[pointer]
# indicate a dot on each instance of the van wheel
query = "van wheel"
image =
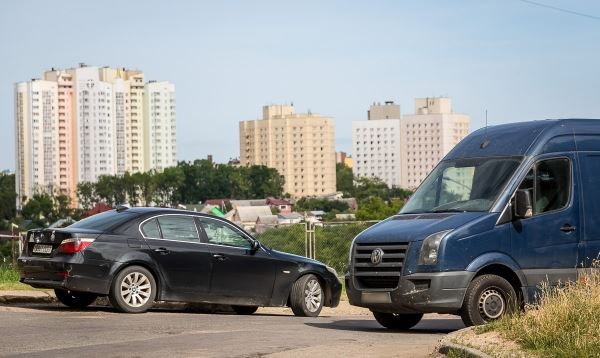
(133, 290)
(75, 299)
(307, 296)
(244, 310)
(401, 321)
(488, 298)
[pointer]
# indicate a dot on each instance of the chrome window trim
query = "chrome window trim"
(169, 214)
(193, 242)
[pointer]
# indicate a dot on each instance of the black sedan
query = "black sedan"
(136, 256)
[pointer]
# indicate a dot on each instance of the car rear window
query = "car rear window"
(103, 221)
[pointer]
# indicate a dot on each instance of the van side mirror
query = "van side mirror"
(522, 208)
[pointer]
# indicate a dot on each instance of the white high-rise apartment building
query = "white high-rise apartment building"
(301, 146)
(160, 150)
(376, 144)
(428, 135)
(36, 133)
(403, 151)
(80, 123)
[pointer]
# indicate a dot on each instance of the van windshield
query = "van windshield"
(470, 184)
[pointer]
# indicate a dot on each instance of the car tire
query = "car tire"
(400, 321)
(133, 290)
(307, 296)
(75, 299)
(244, 310)
(488, 298)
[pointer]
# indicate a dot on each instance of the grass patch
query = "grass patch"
(457, 353)
(9, 279)
(564, 324)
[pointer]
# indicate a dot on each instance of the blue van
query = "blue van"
(509, 207)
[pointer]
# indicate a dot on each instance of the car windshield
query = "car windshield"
(470, 184)
(102, 221)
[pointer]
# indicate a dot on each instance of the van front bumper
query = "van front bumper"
(439, 292)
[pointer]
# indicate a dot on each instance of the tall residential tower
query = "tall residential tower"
(80, 123)
(299, 145)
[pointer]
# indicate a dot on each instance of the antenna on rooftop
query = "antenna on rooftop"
(486, 141)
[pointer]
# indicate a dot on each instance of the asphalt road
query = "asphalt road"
(52, 330)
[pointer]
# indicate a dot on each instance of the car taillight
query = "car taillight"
(71, 246)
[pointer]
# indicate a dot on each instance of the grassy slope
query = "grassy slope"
(566, 323)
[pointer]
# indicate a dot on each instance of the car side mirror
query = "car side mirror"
(255, 246)
(522, 208)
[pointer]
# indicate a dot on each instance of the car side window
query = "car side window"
(220, 233)
(549, 184)
(178, 227)
(150, 229)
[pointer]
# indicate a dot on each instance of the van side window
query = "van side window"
(549, 183)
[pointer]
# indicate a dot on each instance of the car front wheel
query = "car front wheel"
(488, 298)
(307, 296)
(75, 299)
(401, 321)
(133, 290)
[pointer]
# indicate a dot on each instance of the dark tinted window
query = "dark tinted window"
(150, 229)
(220, 233)
(552, 184)
(103, 221)
(178, 227)
(549, 184)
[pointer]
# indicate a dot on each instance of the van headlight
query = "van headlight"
(431, 247)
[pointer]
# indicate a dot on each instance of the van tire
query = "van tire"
(400, 321)
(488, 298)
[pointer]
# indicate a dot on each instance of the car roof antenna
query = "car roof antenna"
(122, 207)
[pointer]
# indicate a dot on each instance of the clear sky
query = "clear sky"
(229, 58)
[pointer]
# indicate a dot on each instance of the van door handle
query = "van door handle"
(220, 257)
(162, 251)
(567, 228)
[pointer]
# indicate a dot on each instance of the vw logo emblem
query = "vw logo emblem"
(376, 256)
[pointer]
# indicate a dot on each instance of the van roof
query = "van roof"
(519, 139)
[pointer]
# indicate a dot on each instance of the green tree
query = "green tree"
(145, 183)
(375, 208)
(166, 184)
(86, 195)
(8, 197)
(344, 179)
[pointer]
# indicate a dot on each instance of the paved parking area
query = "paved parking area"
(52, 330)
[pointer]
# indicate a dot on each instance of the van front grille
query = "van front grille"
(383, 275)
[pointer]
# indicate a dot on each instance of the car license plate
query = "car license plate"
(376, 297)
(42, 249)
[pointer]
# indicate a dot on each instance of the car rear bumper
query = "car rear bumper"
(440, 292)
(69, 273)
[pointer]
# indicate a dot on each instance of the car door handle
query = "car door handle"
(162, 251)
(220, 257)
(567, 228)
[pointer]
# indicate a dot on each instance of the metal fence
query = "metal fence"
(328, 242)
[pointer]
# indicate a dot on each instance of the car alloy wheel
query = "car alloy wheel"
(307, 296)
(133, 290)
(313, 295)
(136, 289)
